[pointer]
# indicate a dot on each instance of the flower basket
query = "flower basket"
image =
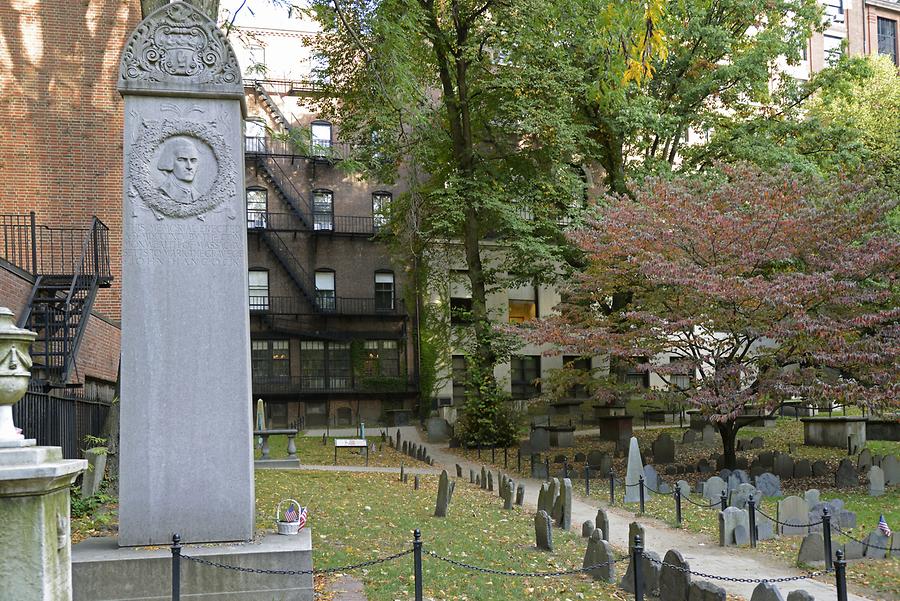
(293, 519)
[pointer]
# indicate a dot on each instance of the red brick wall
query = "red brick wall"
(14, 290)
(98, 356)
(61, 116)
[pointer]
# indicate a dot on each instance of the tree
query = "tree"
(763, 286)
(470, 102)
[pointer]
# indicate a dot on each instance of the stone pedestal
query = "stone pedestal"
(834, 431)
(616, 428)
(607, 410)
(562, 436)
(186, 457)
(35, 541)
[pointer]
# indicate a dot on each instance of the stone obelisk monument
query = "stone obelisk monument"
(186, 426)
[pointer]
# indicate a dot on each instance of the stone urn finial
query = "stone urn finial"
(15, 371)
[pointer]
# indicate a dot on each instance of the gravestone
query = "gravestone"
(769, 484)
(684, 487)
(812, 498)
(438, 429)
(812, 548)
(490, 481)
(864, 460)
(458, 471)
(766, 591)
(740, 496)
(483, 478)
(741, 536)
(765, 528)
(674, 584)
(819, 469)
(633, 473)
(185, 330)
(664, 449)
(562, 510)
(599, 552)
(891, 466)
(724, 473)
(471, 476)
(539, 468)
(704, 467)
(737, 478)
(543, 532)
(802, 469)
(509, 491)
(757, 443)
(701, 590)
(784, 466)
(709, 434)
(729, 519)
(598, 460)
(539, 440)
(552, 495)
(651, 481)
(520, 494)
(650, 570)
(846, 476)
(767, 459)
(876, 481)
(793, 511)
(689, 436)
(580, 458)
(800, 596)
(854, 550)
(713, 489)
(543, 493)
(602, 523)
(635, 529)
(93, 477)
(416, 483)
(877, 545)
(587, 527)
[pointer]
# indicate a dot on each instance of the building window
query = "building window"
(521, 310)
(259, 289)
(312, 365)
(257, 207)
(460, 375)
(580, 364)
(270, 360)
(679, 382)
(320, 132)
(381, 358)
(381, 206)
(834, 9)
(833, 48)
(339, 366)
(323, 210)
(384, 291)
(460, 310)
(255, 136)
(460, 297)
(524, 371)
(325, 296)
(887, 38)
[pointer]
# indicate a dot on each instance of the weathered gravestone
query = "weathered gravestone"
(543, 495)
(471, 476)
(458, 471)
(185, 330)
(819, 469)
(769, 484)
(509, 491)
(490, 481)
(812, 498)
(878, 545)
(784, 466)
(891, 466)
(664, 449)
(793, 513)
(854, 550)
(651, 481)
(539, 440)
(757, 443)
(766, 591)
(674, 578)
(483, 478)
(599, 553)
(689, 436)
(602, 523)
(802, 469)
(562, 509)
(520, 494)
(633, 472)
(729, 519)
(709, 434)
(416, 483)
(765, 528)
(685, 488)
(650, 570)
(740, 496)
(587, 527)
(713, 489)
(701, 590)
(846, 476)
(876, 481)
(864, 460)
(800, 596)
(635, 529)
(543, 531)
(552, 495)
(93, 477)
(812, 548)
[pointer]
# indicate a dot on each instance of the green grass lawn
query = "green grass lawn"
(357, 517)
(311, 451)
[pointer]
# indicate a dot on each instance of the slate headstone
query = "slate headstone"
(769, 484)
(484, 474)
(740, 496)
(685, 488)
(891, 466)
(877, 545)
(757, 443)
(876, 481)
(767, 459)
(471, 476)
(543, 531)
(846, 476)
(674, 584)
(708, 435)
(784, 466)
(443, 500)
(599, 552)
(864, 460)
(458, 471)
(689, 436)
(793, 511)
(812, 548)
(819, 469)
(508, 494)
(562, 511)
(416, 483)
(579, 458)
(765, 528)
(602, 523)
(713, 489)
(490, 482)
(635, 529)
(587, 527)
(766, 591)
(650, 569)
(800, 596)
(552, 495)
(93, 477)
(663, 449)
(802, 469)
(854, 550)
(543, 495)
(651, 481)
(812, 497)
(729, 519)
(701, 590)
(520, 494)
(741, 536)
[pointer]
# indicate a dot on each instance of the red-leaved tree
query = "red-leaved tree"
(761, 285)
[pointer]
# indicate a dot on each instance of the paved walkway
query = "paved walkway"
(702, 554)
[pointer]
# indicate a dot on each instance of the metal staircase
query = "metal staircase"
(67, 278)
(299, 275)
(270, 171)
(271, 107)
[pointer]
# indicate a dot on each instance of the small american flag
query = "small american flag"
(290, 514)
(302, 518)
(883, 526)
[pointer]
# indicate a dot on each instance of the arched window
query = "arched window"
(384, 291)
(381, 207)
(323, 209)
(325, 295)
(320, 137)
(257, 207)
(259, 289)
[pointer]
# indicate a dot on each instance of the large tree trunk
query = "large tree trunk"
(728, 430)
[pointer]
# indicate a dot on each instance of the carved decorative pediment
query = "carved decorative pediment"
(178, 48)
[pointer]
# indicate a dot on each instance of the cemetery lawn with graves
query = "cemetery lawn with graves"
(311, 451)
(881, 577)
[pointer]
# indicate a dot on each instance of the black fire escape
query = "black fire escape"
(69, 266)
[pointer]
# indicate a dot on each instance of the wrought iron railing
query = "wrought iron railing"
(336, 305)
(330, 383)
(281, 147)
(321, 222)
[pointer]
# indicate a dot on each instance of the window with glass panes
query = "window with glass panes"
(381, 358)
(257, 205)
(259, 289)
(325, 296)
(832, 46)
(384, 291)
(381, 206)
(524, 370)
(323, 210)
(679, 382)
(321, 136)
(887, 38)
(270, 360)
(312, 365)
(255, 136)
(339, 365)
(459, 379)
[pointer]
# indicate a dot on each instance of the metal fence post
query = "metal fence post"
(547, 465)
(479, 451)
(840, 576)
(677, 495)
(587, 480)
(519, 460)
(505, 458)
(176, 567)
(724, 501)
(565, 468)
(493, 454)
(751, 510)
(826, 535)
(612, 487)
(34, 267)
(641, 491)
(417, 562)
(637, 554)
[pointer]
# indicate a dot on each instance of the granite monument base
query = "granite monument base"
(834, 431)
(102, 571)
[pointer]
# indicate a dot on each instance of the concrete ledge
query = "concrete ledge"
(103, 571)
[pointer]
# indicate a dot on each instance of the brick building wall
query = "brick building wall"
(61, 116)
